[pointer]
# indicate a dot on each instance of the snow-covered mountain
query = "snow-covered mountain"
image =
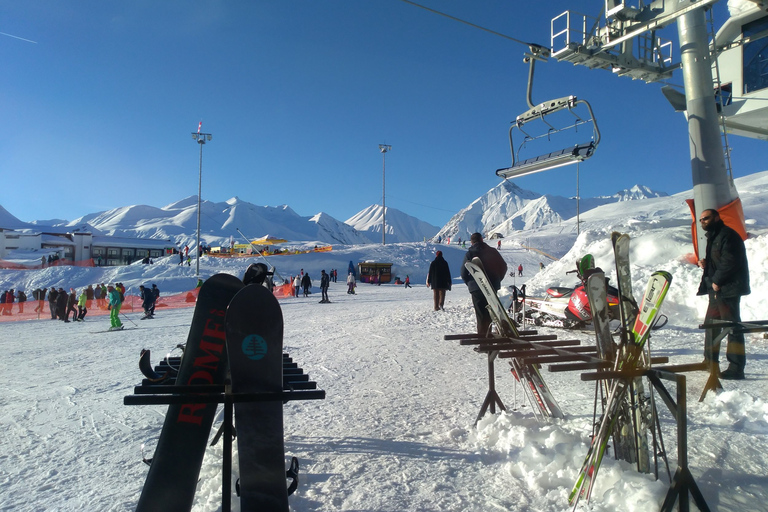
(401, 227)
(219, 222)
(507, 208)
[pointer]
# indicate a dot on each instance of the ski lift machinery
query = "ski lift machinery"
(570, 155)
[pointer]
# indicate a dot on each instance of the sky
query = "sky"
(99, 100)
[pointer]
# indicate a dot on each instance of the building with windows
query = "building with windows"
(742, 62)
(79, 247)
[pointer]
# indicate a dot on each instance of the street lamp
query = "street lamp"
(383, 148)
(200, 138)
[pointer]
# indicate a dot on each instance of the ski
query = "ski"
(598, 303)
(173, 474)
(543, 398)
(627, 358)
(634, 411)
(254, 325)
(115, 330)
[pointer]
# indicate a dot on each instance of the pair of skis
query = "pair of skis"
(239, 329)
(629, 433)
(536, 390)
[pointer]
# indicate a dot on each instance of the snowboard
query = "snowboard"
(175, 468)
(543, 398)
(254, 326)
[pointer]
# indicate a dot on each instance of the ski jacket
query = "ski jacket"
(52, 295)
(297, 282)
(306, 282)
(71, 300)
(439, 275)
(494, 264)
(350, 279)
(114, 298)
(81, 301)
(725, 263)
(324, 280)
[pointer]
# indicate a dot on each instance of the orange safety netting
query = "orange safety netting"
(10, 265)
(40, 310)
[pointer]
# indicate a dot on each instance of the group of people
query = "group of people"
(302, 281)
(72, 306)
(7, 299)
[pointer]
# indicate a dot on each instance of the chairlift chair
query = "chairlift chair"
(559, 158)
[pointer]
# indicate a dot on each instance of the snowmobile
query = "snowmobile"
(569, 307)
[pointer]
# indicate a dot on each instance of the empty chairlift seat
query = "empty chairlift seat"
(569, 155)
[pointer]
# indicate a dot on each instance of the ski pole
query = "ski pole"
(126, 317)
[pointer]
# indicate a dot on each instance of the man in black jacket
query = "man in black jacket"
(725, 280)
(439, 279)
(495, 268)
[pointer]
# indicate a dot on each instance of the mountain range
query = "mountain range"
(504, 209)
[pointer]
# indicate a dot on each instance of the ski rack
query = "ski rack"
(682, 484)
(713, 382)
(494, 348)
(296, 386)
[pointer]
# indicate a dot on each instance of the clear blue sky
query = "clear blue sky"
(298, 94)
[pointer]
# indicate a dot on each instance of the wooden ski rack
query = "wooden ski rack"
(713, 382)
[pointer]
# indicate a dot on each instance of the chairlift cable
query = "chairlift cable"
(470, 24)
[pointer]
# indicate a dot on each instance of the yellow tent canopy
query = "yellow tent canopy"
(268, 240)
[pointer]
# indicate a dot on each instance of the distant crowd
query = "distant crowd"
(73, 306)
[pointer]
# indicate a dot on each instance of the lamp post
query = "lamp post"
(383, 148)
(200, 138)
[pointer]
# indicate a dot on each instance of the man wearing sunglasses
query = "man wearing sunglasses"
(725, 280)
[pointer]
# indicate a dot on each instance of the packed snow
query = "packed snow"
(396, 431)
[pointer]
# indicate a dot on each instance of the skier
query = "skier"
(324, 283)
(495, 268)
(22, 298)
(61, 305)
(82, 309)
(408, 282)
(71, 304)
(156, 293)
(439, 279)
(296, 285)
(306, 282)
(52, 296)
(520, 269)
(498, 245)
(114, 305)
(147, 301)
(351, 284)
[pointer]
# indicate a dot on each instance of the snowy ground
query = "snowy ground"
(394, 433)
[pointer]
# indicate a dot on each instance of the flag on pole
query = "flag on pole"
(199, 127)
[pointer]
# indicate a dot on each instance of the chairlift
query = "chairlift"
(569, 155)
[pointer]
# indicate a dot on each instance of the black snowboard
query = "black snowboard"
(175, 467)
(255, 347)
